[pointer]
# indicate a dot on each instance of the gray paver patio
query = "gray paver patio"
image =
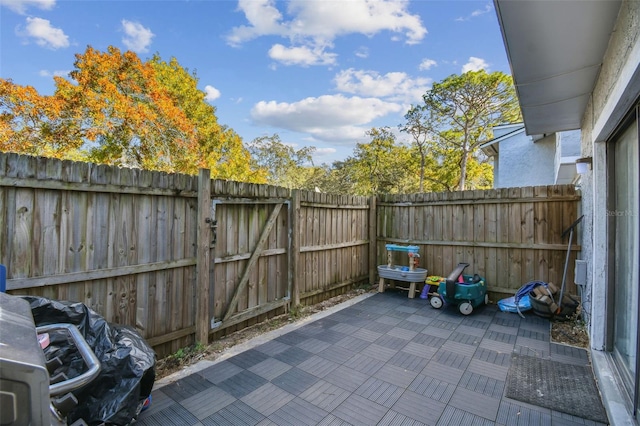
(386, 360)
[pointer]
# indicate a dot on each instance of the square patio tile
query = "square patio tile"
(267, 399)
(346, 378)
(511, 413)
(220, 372)
(273, 347)
(270, 368)
(442, 372)
(313, 345)
(379, 352)
(451, 359)
(293, 356)
(242, 384)
(206, 403)
(475, 403)
(455, 417)
(480, 383)
(325, 395)
(459, 348)
(416, 407)
(318, 366)
(295, 381)
(337, 354)
(396, 375)
(417, 349)
(359, 411)
(298, 412)
(408, 361)
(236, 414)
(492, 357)
(174, 415)
(186, 387)
(498, 372)
(379, 391)
(432, 388)
(364, 364)
(248, 358)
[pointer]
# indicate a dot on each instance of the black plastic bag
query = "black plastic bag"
(127, 362)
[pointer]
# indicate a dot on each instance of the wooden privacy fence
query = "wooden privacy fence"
(184, 258)
(121, 241)
(510, 236)
(178, 257)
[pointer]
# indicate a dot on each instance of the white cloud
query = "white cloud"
(327, 118)
(475, 64)
(264, 19)
(59, 73)
(137, 38)
(21, 6)
(211, 93)
(362, 52)
(478, 12)
(315, 24)
(487, 8)
(44, 34)
(304, 55)
(396, 86)
(323, 152)
(427, 64)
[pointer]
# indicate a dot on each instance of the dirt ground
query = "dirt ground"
(570, 332)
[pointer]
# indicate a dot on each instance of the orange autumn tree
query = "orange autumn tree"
(116, 107)
(29, 122)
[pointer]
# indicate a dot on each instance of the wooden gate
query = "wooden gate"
(247, 230)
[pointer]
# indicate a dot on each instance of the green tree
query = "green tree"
(283, 164)
(419, 127)
(219, 147)
(380, 166)
(460, 112)
(334, 179)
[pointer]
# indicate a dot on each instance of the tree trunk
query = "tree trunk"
(421, 172)
(463, 170)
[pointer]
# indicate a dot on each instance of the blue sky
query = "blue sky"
(316, 72)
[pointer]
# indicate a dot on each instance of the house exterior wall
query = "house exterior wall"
(615, 92)
(525, 163)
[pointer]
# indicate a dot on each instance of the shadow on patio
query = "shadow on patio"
(380, 359)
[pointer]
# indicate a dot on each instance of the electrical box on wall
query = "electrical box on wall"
(580, 272)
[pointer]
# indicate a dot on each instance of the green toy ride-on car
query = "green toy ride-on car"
(465, 291)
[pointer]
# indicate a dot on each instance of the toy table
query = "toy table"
(411, 273)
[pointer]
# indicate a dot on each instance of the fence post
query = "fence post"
(294, 259)
(203, 257)
(373, 240)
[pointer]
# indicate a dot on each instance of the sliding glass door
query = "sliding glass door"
(626, 242)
